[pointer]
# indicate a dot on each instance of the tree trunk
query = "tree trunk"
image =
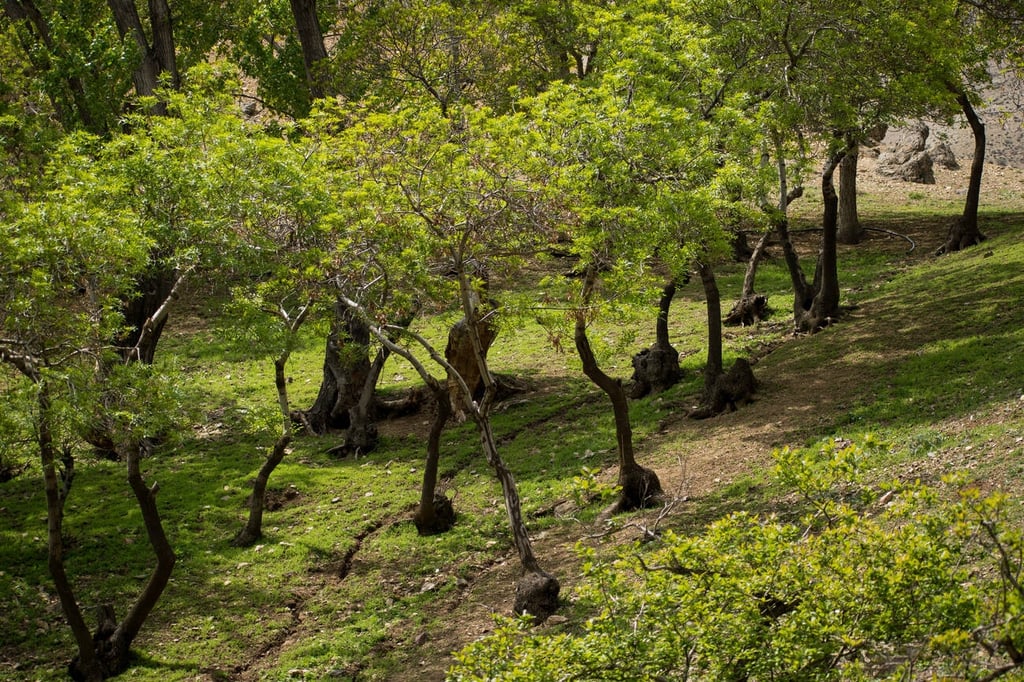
(435, 513)
(824, 307)
(114, 651)
(640, 486)
(361, 436)
(536, 590)
(751, 307)
(346, 371)
(140, 315)
(850, 229)
(155, 58)
(461, 354)
(965, 232)
(713, 303)
(314, 52)
(656, 369)
(85, 666)
(253, 529)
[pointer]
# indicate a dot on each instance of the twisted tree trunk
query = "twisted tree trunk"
(640, 486)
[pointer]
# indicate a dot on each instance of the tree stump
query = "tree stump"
(537, 595)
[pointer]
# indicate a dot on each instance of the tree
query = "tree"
(176, 186)
(432, 202)
(67, 264)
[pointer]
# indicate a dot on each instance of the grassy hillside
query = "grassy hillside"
(930, 358)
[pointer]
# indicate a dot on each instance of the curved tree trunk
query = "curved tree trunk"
(435, 513)
(656, 369)
(110, 645)
(253, 529)
(86, 666)
(965, 232)
(824, 307)
(850, 230)
(640, 486)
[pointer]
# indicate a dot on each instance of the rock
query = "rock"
(907, 158)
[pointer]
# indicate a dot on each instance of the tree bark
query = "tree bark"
(157, 56)
(656, 369)
(435, 514)
(253, 529)
(965, 231)
(640, 486)
(346, 372)
(850, 229)
(314, 52)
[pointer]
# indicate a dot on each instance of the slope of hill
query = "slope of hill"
(930, 358)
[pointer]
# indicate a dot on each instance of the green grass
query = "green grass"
(936, 345)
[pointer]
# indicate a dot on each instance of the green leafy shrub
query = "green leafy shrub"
(873, 582)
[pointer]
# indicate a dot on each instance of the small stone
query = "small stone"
(420, 639)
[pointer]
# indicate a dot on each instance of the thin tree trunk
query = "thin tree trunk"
(965, 231)
(85, 664)
(714, 366)
(253, 529)
(165, 558)
(435, 514)
(640, 486)
(850, 229)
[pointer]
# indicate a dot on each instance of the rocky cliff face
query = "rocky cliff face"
(1003, 114)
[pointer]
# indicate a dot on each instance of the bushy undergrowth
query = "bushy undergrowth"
(874, 582)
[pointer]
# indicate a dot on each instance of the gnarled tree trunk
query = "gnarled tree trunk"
(346, 372)
(640, 486)
(657, 368)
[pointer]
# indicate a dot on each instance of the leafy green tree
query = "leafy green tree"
(434, 204)
(69, 262)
